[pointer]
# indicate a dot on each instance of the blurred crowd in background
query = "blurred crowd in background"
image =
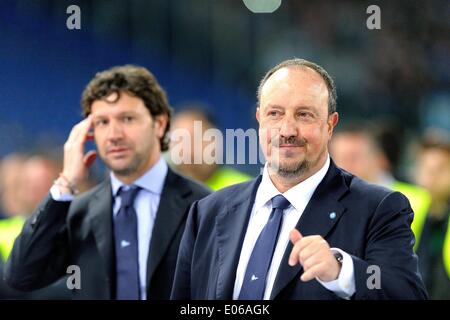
(393, 93)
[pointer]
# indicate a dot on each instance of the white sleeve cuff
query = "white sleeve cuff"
(344, 285)
(58, 196)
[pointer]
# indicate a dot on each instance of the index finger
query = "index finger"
(302, 243)
(295, 236)
(81, 129)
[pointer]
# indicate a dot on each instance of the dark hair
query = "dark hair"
(435, 140)
(199, 110)
(360, 127)
(137, 81)
(302, 63)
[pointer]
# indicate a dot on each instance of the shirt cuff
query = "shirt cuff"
(344, 285)
(58, 196)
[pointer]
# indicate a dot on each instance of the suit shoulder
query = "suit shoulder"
(371, 193)
(87, 196)
(198, 189)
(231, 192)
(82, 201)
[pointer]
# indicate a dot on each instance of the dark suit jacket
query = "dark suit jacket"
(371, 223)
(80, 233)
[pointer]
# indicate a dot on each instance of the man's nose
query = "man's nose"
(115, 131)
(288, 127)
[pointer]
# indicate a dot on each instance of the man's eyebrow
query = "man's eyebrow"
(302, 107)
(126, 112)
(118, 114)
(306, 108)
(274, 106)
(97, 116)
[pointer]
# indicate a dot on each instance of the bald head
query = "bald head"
(303, 64)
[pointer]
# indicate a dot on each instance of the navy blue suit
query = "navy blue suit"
(371, 223)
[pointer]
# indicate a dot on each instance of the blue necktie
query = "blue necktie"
(258, 266)
(126, 244)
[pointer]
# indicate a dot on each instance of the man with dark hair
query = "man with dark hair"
(361, 149)
(305, 229)
(432, 228)
(194, 121)
(124, 233)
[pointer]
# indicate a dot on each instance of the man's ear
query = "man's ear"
(257, 114)
(161, 121)
(333, 120)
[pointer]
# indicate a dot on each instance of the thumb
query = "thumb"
(89, 158)
(295, 236)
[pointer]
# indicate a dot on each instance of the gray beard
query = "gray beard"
(290, 172)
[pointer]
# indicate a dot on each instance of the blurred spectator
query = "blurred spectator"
(38, 175)
(10, 179)
(369, 152)
(433, 229)
(26, 182)
(12, 207)
(195, 121)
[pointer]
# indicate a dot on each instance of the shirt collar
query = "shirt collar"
(152, 180)
(297, 195)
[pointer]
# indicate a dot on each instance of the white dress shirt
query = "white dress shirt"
(146, 205)
(299, 197)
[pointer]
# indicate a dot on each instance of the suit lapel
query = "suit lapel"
(231, 224)
(100, 221)
(321, 214)
(170, 214)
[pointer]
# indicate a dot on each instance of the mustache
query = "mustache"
(292, 141)
(117, 145)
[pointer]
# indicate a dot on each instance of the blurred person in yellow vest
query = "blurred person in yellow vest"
(25, 181)
(34, 177)
(371, 152)
(433, 229)
(192, 122)
(10, 179)
(11, 208)
(11, 201)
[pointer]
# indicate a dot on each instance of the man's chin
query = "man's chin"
(290, 169)
(123, 172)
(286, 163)
(121, 169)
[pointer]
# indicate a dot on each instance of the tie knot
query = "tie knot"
(280, 202)
(127, 196)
